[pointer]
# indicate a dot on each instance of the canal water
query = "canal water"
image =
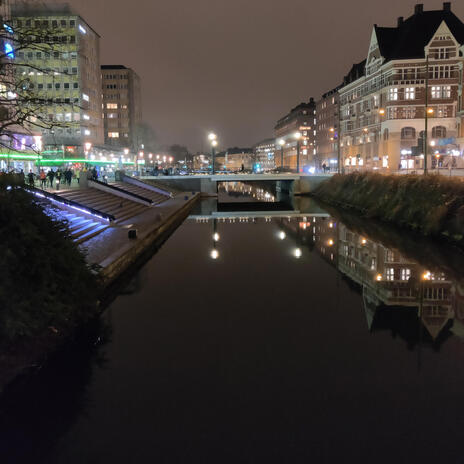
(261, 337)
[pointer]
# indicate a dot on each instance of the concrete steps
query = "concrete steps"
(105, 202)
(156, 197)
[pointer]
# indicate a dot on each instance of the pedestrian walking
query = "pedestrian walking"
(51, 175)
(78, 174)
(30, 178)
(43, 179)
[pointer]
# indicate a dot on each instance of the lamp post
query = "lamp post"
(282, 144)
(212, 137)
(297, 136)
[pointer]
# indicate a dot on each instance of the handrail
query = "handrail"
(71, 203)
(126, 192)
(154, 188)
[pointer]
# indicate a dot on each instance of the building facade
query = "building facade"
(264, 154)
(383, 100)
(295, 135)
(327, 130)
(66, 73)
(235, 159)
(122, 106)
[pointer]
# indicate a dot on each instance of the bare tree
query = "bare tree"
(24, 108)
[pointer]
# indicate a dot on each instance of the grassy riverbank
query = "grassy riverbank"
(431, 205)
(46, 289)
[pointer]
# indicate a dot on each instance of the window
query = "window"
(393, 94)
(85, 97)
(49, 86)
(40, 86)
(410, 93)
(112, 106)
(74, 70)
(113, 135)
(390, 273)
(63, 23)
(57, 86)
(408, 133)
(72, 23)
(54, 23)
(66, 85)
(443, 91)
(405, 274)
(56, 55)
(439, 132)
(112, 115)
(75, 85)
(86, 132)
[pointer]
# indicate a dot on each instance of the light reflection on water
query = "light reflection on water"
(263, 337)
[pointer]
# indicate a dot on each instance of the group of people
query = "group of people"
(52, 178)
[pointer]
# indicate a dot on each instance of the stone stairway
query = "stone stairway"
(120, 208)
(156, 197)
(83, 228)
(80, 226)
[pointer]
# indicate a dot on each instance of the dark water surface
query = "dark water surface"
(306, 340)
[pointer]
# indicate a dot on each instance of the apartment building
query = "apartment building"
(295, 133)
(122, 106)
(65, 72)
(410, 69)
(327, 130)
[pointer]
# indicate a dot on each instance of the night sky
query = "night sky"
(235, 66)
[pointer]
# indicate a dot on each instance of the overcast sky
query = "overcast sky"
(235, 66)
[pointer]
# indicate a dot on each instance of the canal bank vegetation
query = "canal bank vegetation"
(431, 205)
(46, 287)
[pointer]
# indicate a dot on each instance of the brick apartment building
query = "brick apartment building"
(296, 132)
(383, 99)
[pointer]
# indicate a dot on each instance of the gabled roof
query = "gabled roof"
(356, 71)
(409, 38)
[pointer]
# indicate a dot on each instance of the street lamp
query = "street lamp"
(212, 137)
(297, 136)
(282, 145)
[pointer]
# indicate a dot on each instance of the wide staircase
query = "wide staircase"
(80, 226)
(155, 197)
(120, 208)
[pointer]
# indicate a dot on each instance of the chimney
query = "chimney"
(400, 21)
(419, 8)
(447, 6)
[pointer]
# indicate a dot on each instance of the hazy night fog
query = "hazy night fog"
(235, 67)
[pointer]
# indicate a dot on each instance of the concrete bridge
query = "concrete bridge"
(295, 184)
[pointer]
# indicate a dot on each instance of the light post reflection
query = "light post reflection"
(214, 252)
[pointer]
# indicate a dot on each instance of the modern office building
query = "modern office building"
(122, 106)
(64, 70)
(410, 78)
(264, 154)
(296, 134)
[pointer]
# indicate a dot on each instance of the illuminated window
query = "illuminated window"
(405, 274)
(112, 106)
(393, 94)
(390, 273)
(113, 135)
(410, 93)
(86, 132)
(85, 97)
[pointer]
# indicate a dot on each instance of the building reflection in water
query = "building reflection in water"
(246, 190)
(396, 290)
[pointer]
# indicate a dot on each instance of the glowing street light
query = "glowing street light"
(126, 151)
(212, 137)
(297, 136)
(216, 237)
(282, 235)
(297, 253)
(214, 254)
